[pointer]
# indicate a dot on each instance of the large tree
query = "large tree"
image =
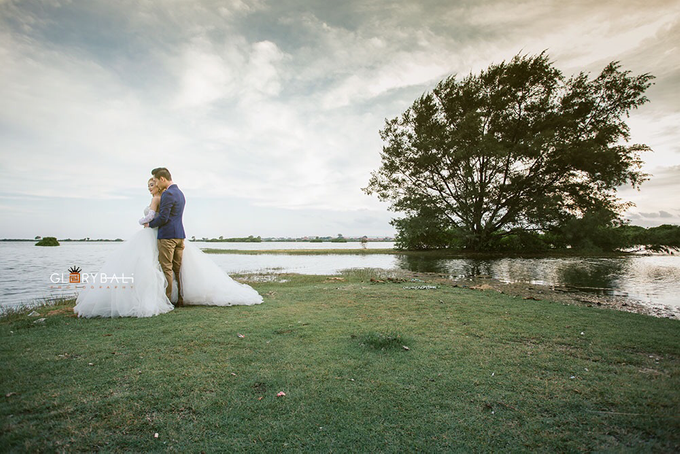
(516, 148)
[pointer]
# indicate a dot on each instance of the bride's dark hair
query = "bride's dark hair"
(159, 172)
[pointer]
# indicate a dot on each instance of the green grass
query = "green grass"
(484, 372)
(385, 341)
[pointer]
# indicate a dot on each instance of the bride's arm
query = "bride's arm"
(147, 218)
(153, 209)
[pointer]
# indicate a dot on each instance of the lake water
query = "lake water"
(25, 270)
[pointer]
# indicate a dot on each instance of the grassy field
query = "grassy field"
(481, 372)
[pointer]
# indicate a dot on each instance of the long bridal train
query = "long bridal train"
(206, 284)
(203, 282)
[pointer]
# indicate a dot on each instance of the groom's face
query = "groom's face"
(160, 183)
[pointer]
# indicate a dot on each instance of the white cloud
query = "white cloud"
(656, 202)
(263, 71)
(211, 72)
(276, 108)
(231, 8)
(206, 76)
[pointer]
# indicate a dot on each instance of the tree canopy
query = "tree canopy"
(515, 149)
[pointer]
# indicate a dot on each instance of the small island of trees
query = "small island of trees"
(48, 241)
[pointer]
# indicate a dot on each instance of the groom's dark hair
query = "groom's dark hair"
(161, 172)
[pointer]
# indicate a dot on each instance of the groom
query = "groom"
(170, 229)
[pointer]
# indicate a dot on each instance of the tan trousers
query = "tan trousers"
(170, 257)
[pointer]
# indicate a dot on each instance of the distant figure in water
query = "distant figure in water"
(364, 242)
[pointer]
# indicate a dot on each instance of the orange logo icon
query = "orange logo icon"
(74, 277)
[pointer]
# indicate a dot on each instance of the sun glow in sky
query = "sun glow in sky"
(267, 112)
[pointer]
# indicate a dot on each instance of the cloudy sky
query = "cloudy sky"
(267, 112)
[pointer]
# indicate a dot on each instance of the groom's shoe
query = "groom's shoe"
(180, 303)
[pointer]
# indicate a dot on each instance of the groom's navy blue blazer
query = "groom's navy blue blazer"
(169, 219)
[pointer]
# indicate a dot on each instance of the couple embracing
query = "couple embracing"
(167, 272)
(170, 208)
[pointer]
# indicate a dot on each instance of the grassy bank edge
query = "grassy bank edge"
(430, 253)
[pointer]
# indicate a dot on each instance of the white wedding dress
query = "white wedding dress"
(138, 289)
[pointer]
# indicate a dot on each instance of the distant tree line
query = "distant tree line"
(589, 234)
(88, 239)
(38, 238)
(318, 239)
(248, 239)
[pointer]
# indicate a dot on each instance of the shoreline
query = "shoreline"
(431, 253)
(524, 290)
(302, 251)
(570, 296)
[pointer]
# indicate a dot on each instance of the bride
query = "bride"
(131, 282)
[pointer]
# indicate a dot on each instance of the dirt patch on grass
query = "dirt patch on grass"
(68, 311)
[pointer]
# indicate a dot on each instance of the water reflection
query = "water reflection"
(456, 268)
(651, 279)
(591, 274)
(25, 269)
(422, 263)
(570, 272)
(475, 268)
